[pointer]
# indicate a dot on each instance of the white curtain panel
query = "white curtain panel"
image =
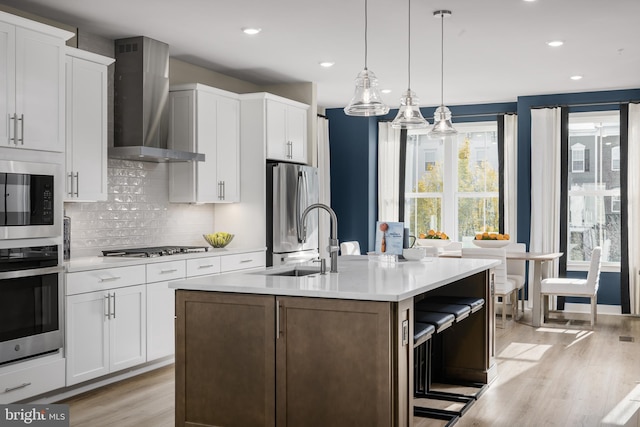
(324, 176)
(511, 175)
(388, 172)
(545, 182)
(633, 201)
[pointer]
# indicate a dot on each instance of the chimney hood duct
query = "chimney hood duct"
(141, 109)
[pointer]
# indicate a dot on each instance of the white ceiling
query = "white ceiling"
(495, 50)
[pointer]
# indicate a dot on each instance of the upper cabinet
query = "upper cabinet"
(32, 84)
(204, 120)
(86, 133)
(286, 130)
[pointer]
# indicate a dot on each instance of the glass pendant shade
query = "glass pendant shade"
(366, 100)
(442, 123)
(409, 115)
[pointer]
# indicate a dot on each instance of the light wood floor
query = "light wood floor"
(554, 376)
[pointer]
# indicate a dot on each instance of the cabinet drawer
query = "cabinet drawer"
(202, 266)
(161, 271)
(242, 261)
(109, 278)
(31, 381)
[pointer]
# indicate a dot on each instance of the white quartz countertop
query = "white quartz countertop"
(100, 262)
(358, 278)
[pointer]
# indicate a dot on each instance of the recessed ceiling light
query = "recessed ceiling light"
(327, 64)
(530, 1)
(385, 91)
(555, 43)
(576, 77)
(251, 31)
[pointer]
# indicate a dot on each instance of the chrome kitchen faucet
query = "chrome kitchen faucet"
(333, 237)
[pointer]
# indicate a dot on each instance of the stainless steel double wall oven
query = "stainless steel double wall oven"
(31, 272)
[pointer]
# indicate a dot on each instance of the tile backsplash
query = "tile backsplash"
(137, 213)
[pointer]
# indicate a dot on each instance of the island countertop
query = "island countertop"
(358, 278)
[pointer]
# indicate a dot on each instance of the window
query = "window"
(615, 159)
(594, 191)
(577, 158)
(457, 190)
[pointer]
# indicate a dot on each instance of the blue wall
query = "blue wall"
(354, 163)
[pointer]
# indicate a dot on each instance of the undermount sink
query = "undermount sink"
(293, 272)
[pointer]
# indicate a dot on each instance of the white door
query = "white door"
(228, 148)
(128, 333)
(86, 130)
(277, 147)
(7, 82)
(40, 90)
(206, 183)
(160, 320)
(87, 336)
(297, 133)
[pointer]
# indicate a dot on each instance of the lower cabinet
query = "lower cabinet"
(106, 332)
(160, 320)
(329, 361)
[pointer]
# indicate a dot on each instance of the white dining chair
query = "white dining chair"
(350, 248)
(564, 286)
(517, 271)
(502, 286)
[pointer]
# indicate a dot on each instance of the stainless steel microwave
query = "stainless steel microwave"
(29, 205)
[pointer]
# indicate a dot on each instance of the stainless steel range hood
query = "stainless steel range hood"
(141, 109)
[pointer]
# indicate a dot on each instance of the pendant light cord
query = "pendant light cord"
(409, 45)
(442, 58)
(365, 34)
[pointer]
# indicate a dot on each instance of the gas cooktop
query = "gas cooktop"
(155, 251)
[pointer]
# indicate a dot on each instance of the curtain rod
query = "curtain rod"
(454, 116)
(591, 104)
(321, 115)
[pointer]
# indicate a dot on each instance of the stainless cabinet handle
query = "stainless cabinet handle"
(205, 266)
(289, 150)
(168, 270)
(224, 191)
(220, 189)
(21, 120)
(70, 192)
(107, 312)
(108, 279)
(18, 387)
(245, 260)
(114, 305)
(77, 183)
(11, 117)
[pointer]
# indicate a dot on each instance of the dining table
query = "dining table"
(537, 272)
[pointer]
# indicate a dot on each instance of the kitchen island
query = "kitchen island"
(269, 348)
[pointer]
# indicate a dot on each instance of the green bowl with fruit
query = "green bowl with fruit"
(219, 239)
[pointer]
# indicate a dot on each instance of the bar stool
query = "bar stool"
(423, 356)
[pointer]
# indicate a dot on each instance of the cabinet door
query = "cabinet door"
(333, 363)
(40, 90)
(225, 364)
(297, 133)
(160, 320)
(127, 329)
(87, 336)
(206, 177)
(277, 146)
(182, 137)
(228, 148)
(86, 136)
(7, 82)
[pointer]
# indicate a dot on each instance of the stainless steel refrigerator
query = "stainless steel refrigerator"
(290, 189)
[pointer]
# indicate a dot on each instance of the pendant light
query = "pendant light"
(409, 115)
(442, 117)
(366, 100)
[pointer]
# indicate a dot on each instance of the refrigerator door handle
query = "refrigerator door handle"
(298, 203)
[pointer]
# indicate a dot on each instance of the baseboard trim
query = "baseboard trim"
(67, 392)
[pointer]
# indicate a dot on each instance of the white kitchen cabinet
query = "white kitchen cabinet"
(105, 322)
(161, 307)
(32, 84)
(86, 126)
(31, 377)
(286, 130)
(205, 120)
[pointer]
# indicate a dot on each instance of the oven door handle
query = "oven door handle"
(30, 273)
